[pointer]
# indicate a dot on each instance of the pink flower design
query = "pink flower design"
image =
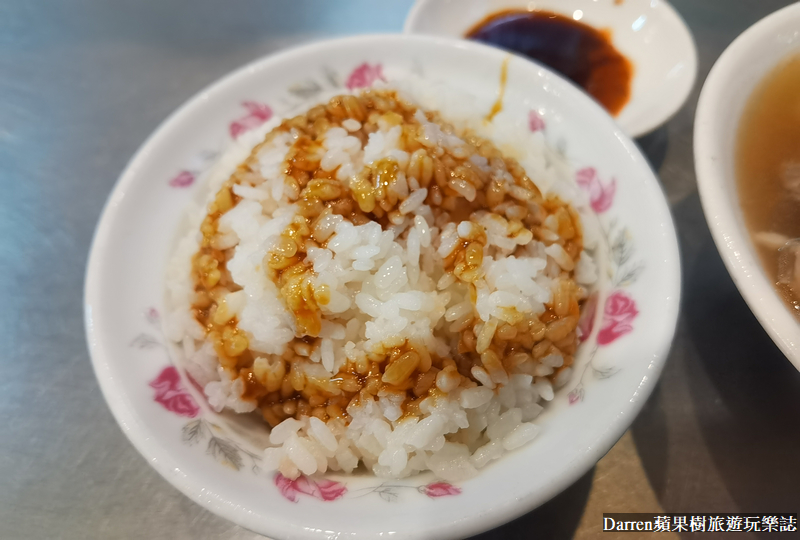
(535, 122)
(440, 489)
(324, 490)
(171, 395)
(182, 179)
(586, 322)
(152, 315)
(620, 311)
(576, 396)
(257, 114)
(601, 197)
(364, 75)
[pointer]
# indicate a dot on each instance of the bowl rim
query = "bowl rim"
(169, 468)
(732, 241)
(655, 121)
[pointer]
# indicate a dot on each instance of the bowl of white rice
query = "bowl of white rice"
(381, 285)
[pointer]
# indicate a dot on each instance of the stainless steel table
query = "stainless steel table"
(83, 82)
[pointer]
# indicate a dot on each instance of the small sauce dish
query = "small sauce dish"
(649, 34)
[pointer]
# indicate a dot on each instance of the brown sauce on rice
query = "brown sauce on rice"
(457, 188)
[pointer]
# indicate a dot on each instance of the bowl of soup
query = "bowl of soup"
(747, 158)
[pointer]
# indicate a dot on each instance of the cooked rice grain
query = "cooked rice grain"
(384, 289)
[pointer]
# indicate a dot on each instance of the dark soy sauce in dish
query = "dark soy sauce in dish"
(576, 50)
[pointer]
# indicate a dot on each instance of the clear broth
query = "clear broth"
(768, 141)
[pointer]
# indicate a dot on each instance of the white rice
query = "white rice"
(386, 287)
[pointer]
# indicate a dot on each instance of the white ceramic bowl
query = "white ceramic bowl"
(650, 33)
(168, 421)
(726, 91)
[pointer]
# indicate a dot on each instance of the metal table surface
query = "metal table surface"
(83, 82)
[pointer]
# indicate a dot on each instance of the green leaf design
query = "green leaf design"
(193, 432)
(145, 341)
(224, 452)
(621, 248)
(306, 89)
(333, 78)
(630, 275)
(605, 373)
(387, 494)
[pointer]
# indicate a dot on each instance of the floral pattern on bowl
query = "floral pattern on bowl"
(167, 418)
(172, 395)
(619, 309)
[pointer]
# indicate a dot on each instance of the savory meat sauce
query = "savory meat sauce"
(768, 175)
(576, 50)
(278, 383)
